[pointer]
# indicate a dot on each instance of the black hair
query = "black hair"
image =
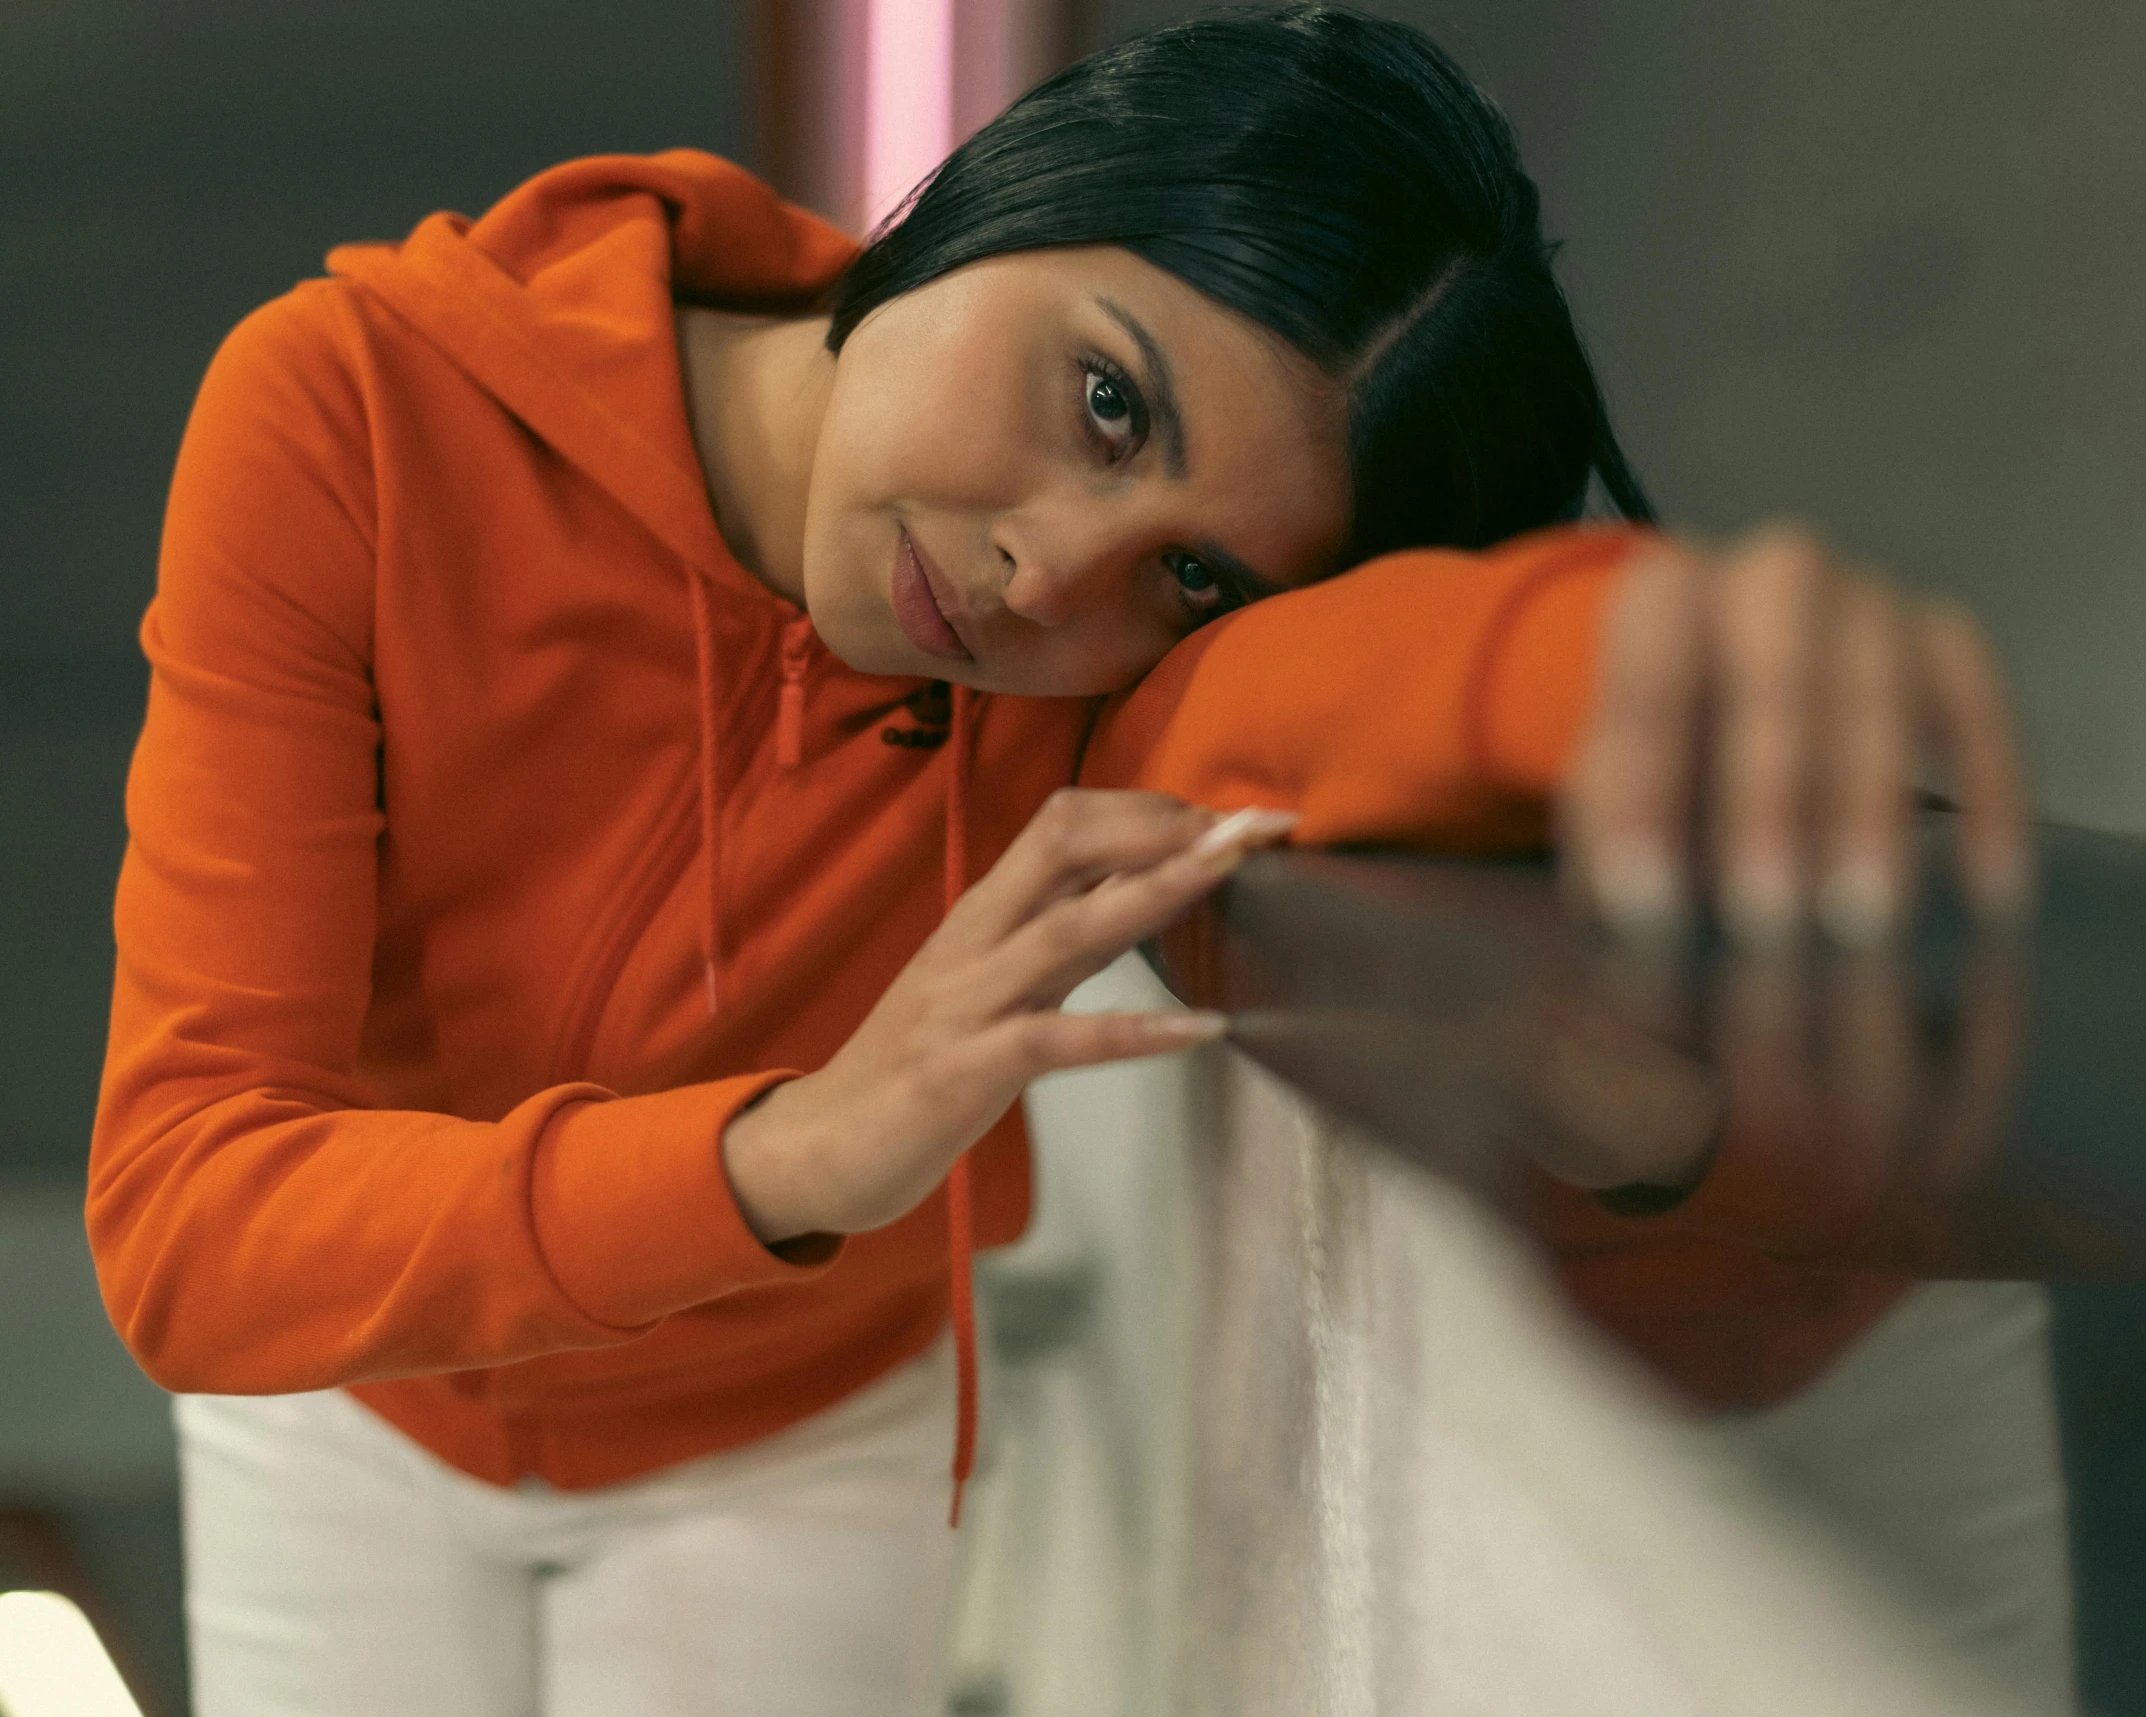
(1339, 180)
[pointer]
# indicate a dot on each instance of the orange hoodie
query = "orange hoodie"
(495, 837)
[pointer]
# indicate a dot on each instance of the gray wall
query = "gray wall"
(1882, 266)
(165, 167)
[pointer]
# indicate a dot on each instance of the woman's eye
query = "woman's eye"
(1116, 420)
(1205, 592)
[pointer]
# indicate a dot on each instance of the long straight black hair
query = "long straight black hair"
(1339, 180)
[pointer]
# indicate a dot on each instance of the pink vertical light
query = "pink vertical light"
(908, 98)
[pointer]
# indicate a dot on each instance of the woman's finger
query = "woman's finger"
(1974, 733)
(1076, 839)
(1625, 817)
(1865, 875)
(1043, 1043)
(1768, 602)
(1074, 938)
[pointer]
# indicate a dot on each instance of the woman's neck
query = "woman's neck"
(756, 388)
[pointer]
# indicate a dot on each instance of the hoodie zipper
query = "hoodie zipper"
(670, 855)
(790, 712)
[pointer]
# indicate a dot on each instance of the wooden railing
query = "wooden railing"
(1453, 1009)
(1293, 1416)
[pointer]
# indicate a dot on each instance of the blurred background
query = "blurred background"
(1878, 266)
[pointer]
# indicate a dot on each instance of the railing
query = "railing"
(1287, 1424)
(1453, 1009)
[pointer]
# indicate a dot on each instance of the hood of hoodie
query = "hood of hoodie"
(559, 302)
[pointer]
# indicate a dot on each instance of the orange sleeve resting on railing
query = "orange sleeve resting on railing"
(1426, 699)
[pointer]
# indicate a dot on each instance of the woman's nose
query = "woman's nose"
(1048, 595)
(1048, 575)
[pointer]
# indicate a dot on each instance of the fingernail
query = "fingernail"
(1195, 1025)
(1857, 905)
(1638, 889)
(1759, 904)
(1244, 828)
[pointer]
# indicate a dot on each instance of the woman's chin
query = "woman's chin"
(874, 649)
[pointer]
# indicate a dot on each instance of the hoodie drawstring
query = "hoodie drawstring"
(960, 1219)
(789, 748)
(711, 786)
(961, 1228)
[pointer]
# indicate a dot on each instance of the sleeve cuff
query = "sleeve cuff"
(634, 1212)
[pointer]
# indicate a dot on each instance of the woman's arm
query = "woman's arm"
(1743, 726)
(260, 1222)
(1426, 699)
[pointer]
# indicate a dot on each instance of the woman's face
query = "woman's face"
(1039, 472)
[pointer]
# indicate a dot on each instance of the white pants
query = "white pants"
(333, 1566)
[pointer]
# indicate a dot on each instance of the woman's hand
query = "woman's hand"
(1760, 718)
(975, 1015)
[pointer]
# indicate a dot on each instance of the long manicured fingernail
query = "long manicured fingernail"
(1194, 1025)
(1246, 828)
(1857, 905)
(1638, 890)
(1759, 904)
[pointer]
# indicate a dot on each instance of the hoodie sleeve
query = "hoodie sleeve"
(1427, 698)
(260, 1222)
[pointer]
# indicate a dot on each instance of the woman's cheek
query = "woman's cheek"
(1138, 643)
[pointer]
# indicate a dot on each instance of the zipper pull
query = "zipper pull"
(790, 713)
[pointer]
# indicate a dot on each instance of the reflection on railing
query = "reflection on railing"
(1965, 1105)
(1311, 1430)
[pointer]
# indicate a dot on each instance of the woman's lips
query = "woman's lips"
(917, 607)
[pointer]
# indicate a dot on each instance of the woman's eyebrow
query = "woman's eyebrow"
(1162, 394)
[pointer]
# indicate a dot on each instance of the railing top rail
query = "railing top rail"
(1964, 1104)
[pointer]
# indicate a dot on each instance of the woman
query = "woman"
(578, 959)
